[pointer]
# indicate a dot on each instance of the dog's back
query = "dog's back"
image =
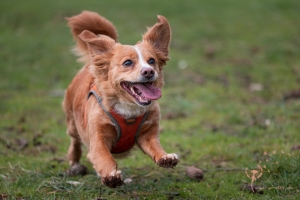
(93, 22)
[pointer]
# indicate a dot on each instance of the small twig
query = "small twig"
(100, 193)
(255, 174)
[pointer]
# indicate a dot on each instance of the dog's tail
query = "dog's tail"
(93, 22)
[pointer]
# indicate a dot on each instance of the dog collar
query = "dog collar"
(128, 129)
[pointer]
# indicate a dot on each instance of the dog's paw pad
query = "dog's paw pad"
(113, 180)
(168, 160)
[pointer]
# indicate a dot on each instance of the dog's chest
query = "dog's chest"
(127, 128)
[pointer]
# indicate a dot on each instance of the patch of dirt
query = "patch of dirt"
(16, 144)
(256, 189)
(244, 79)
(19, 128)
(22, 119)
(295, 148)
(3, 196)
(223, 79)
(255, 50)
(174, 115)
(6, 197)
(219, 162)
(22, 143)
(48, 148)
(183, 152)
(259, 100)
(195, 78)
(15, 129)
(36, 139)
(59, 160)
(295, 94)
(210, 52)
(172, 195)
(226, 129)
(241, 61)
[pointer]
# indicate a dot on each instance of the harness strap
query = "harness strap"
(140, 126)
(99, 100)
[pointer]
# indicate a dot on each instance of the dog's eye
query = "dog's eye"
(151, 61)
(128, 63)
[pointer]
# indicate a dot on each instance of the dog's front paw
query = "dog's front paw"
(168, 160)
(113, 180)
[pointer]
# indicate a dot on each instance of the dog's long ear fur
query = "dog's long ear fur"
(159, 36)
(93, 22)
(97, 44)
(101, 49)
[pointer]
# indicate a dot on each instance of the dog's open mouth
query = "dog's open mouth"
(142, 92)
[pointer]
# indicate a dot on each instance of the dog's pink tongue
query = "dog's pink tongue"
(149, 91)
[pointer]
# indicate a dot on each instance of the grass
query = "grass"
(230, 104)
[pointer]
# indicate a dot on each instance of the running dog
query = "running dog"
(110, 105)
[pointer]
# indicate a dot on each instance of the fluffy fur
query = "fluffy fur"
(118, 71)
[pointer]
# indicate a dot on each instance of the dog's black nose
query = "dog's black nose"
(147, 72)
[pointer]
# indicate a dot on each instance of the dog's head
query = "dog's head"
(133, 72)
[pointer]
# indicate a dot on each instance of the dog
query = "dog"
(111, 104)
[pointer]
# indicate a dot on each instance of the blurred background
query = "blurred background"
(231, 96)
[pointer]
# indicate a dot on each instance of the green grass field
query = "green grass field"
(230, 105)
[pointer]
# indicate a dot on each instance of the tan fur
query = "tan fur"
(96, 41)
(93, 22)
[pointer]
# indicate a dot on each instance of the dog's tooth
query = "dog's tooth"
(142, 100)
(132, 90)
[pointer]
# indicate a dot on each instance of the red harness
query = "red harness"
(128, 129)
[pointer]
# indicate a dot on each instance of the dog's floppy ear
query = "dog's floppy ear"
(101, 49)
(97, 44)
(159, 36)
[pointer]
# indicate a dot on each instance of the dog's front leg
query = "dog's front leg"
(149, 143)
(103, 162)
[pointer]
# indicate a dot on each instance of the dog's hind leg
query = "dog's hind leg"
(74, 152)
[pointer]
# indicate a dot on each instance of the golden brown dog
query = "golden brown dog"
(111, 104)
